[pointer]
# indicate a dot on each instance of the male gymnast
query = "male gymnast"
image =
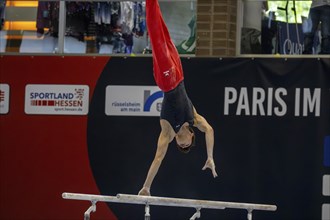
(178, 114)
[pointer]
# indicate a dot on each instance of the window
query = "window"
(91, 27)
(276, 27)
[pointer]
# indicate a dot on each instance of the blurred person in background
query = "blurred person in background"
(319, 14)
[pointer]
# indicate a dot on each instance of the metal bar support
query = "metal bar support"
(61, 27)
(147, 212)
(197, 214)
(92, 208)
(249, 215)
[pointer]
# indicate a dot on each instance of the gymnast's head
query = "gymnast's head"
(185, 139)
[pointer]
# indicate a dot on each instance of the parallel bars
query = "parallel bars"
(166, 201)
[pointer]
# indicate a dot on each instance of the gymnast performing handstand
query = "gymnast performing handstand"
(178, 114)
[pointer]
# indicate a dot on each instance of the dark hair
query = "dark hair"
(187, 149)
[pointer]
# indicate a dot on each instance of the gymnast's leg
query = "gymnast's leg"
(168, 71)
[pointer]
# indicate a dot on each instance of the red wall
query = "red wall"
(42, 156)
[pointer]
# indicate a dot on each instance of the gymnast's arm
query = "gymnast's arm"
(201, 123)
(167, 134)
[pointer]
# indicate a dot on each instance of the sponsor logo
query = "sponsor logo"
(326, 180)
(57, 99)
(133, 101)
(325, 211)
(326, 185)
(4, 98)
(326, 153)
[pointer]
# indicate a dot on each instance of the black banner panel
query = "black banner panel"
(271, 119)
